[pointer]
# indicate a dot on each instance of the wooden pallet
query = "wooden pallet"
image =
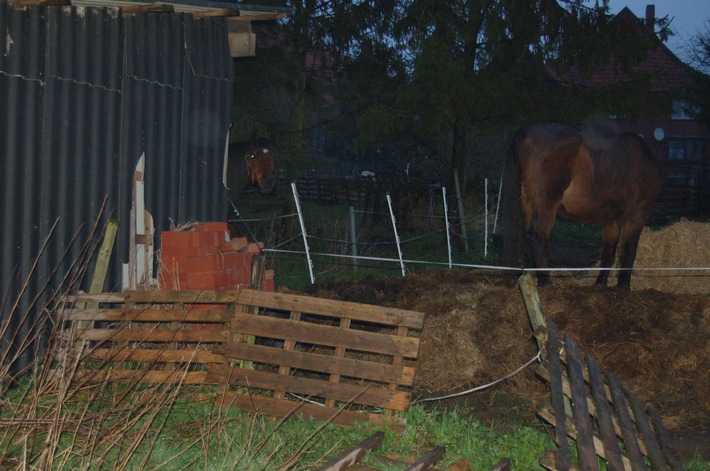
(332, 360)
(327, 359)
(604, 419)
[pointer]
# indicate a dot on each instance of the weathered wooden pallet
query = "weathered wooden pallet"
(606, 421)
(328, 359)
(338, 361)
(349, 460)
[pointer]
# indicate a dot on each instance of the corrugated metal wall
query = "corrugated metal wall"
(83, 93)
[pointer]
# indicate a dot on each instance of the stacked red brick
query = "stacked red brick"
(205, 258)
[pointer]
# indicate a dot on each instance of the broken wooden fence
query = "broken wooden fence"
(332, 360)
(605, 420)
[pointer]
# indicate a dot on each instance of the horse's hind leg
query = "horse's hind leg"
(538, 240)
(610, 240)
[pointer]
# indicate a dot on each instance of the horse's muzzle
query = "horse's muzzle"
(266, 185)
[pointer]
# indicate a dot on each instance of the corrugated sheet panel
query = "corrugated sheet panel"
(85, 92)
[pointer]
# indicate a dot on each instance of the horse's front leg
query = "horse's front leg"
(610, 240)
(627, 257)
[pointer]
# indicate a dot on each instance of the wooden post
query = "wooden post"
(353, 237)
(532, 304)
(462, 213)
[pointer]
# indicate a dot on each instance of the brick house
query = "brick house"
(679, 142)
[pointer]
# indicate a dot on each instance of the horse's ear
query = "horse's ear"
(271, 137)
(254, 135)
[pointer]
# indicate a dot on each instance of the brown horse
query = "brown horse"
(250, 163)
(594, 176)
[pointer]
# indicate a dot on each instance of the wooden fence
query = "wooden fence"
(327, 359)
(605, 421)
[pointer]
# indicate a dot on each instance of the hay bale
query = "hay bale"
(681, 245)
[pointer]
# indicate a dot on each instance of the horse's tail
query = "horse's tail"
(512, 218)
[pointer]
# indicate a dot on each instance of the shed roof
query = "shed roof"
(196, 7)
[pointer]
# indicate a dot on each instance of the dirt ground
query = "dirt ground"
(477, 331)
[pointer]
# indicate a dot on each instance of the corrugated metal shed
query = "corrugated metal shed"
(84, 92)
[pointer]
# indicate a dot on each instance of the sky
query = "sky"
(689, 17)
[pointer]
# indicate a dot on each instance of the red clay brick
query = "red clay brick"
(201, 280)
(234, 245)
(210, 226)
(238, 275)
(201, 264)
(177, 239)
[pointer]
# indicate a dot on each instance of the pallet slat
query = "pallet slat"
(151, 335)
(373, 342)
(332, 308)
(612, 454)
(655, 455)
(628, 432)
(553, 351)
(342, 392)
(149, 356)
(144, 315)
(286, 408)
(316, 362)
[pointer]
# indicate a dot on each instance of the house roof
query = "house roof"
(661, 67)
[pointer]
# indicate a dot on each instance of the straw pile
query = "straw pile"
(685, 244)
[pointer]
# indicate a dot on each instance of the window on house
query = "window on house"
(685, 149)
(683, 110)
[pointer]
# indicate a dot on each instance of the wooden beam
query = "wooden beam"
(260, 17)
(242, 44)
(153, 8)
(211, 13)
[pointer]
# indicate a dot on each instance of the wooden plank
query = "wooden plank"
(612, 454)
(339, 337)
(160, 297)
(428, 461)
(152, 335)
(361, 369)
(550, 461)
(146, 315)
(269, 300)
(548, 415)
(142, 376)
(104, 255)
(339, 353)
(665, 441)
(143, 355)
(289, 346)
(533, 306)
(287, 408)
(633, 452)
(655, 455)
(355, 454)
(342, 392)
(557, 397)
(585, 445)
(332, 308)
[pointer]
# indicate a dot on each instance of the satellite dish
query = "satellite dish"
(659, 134)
